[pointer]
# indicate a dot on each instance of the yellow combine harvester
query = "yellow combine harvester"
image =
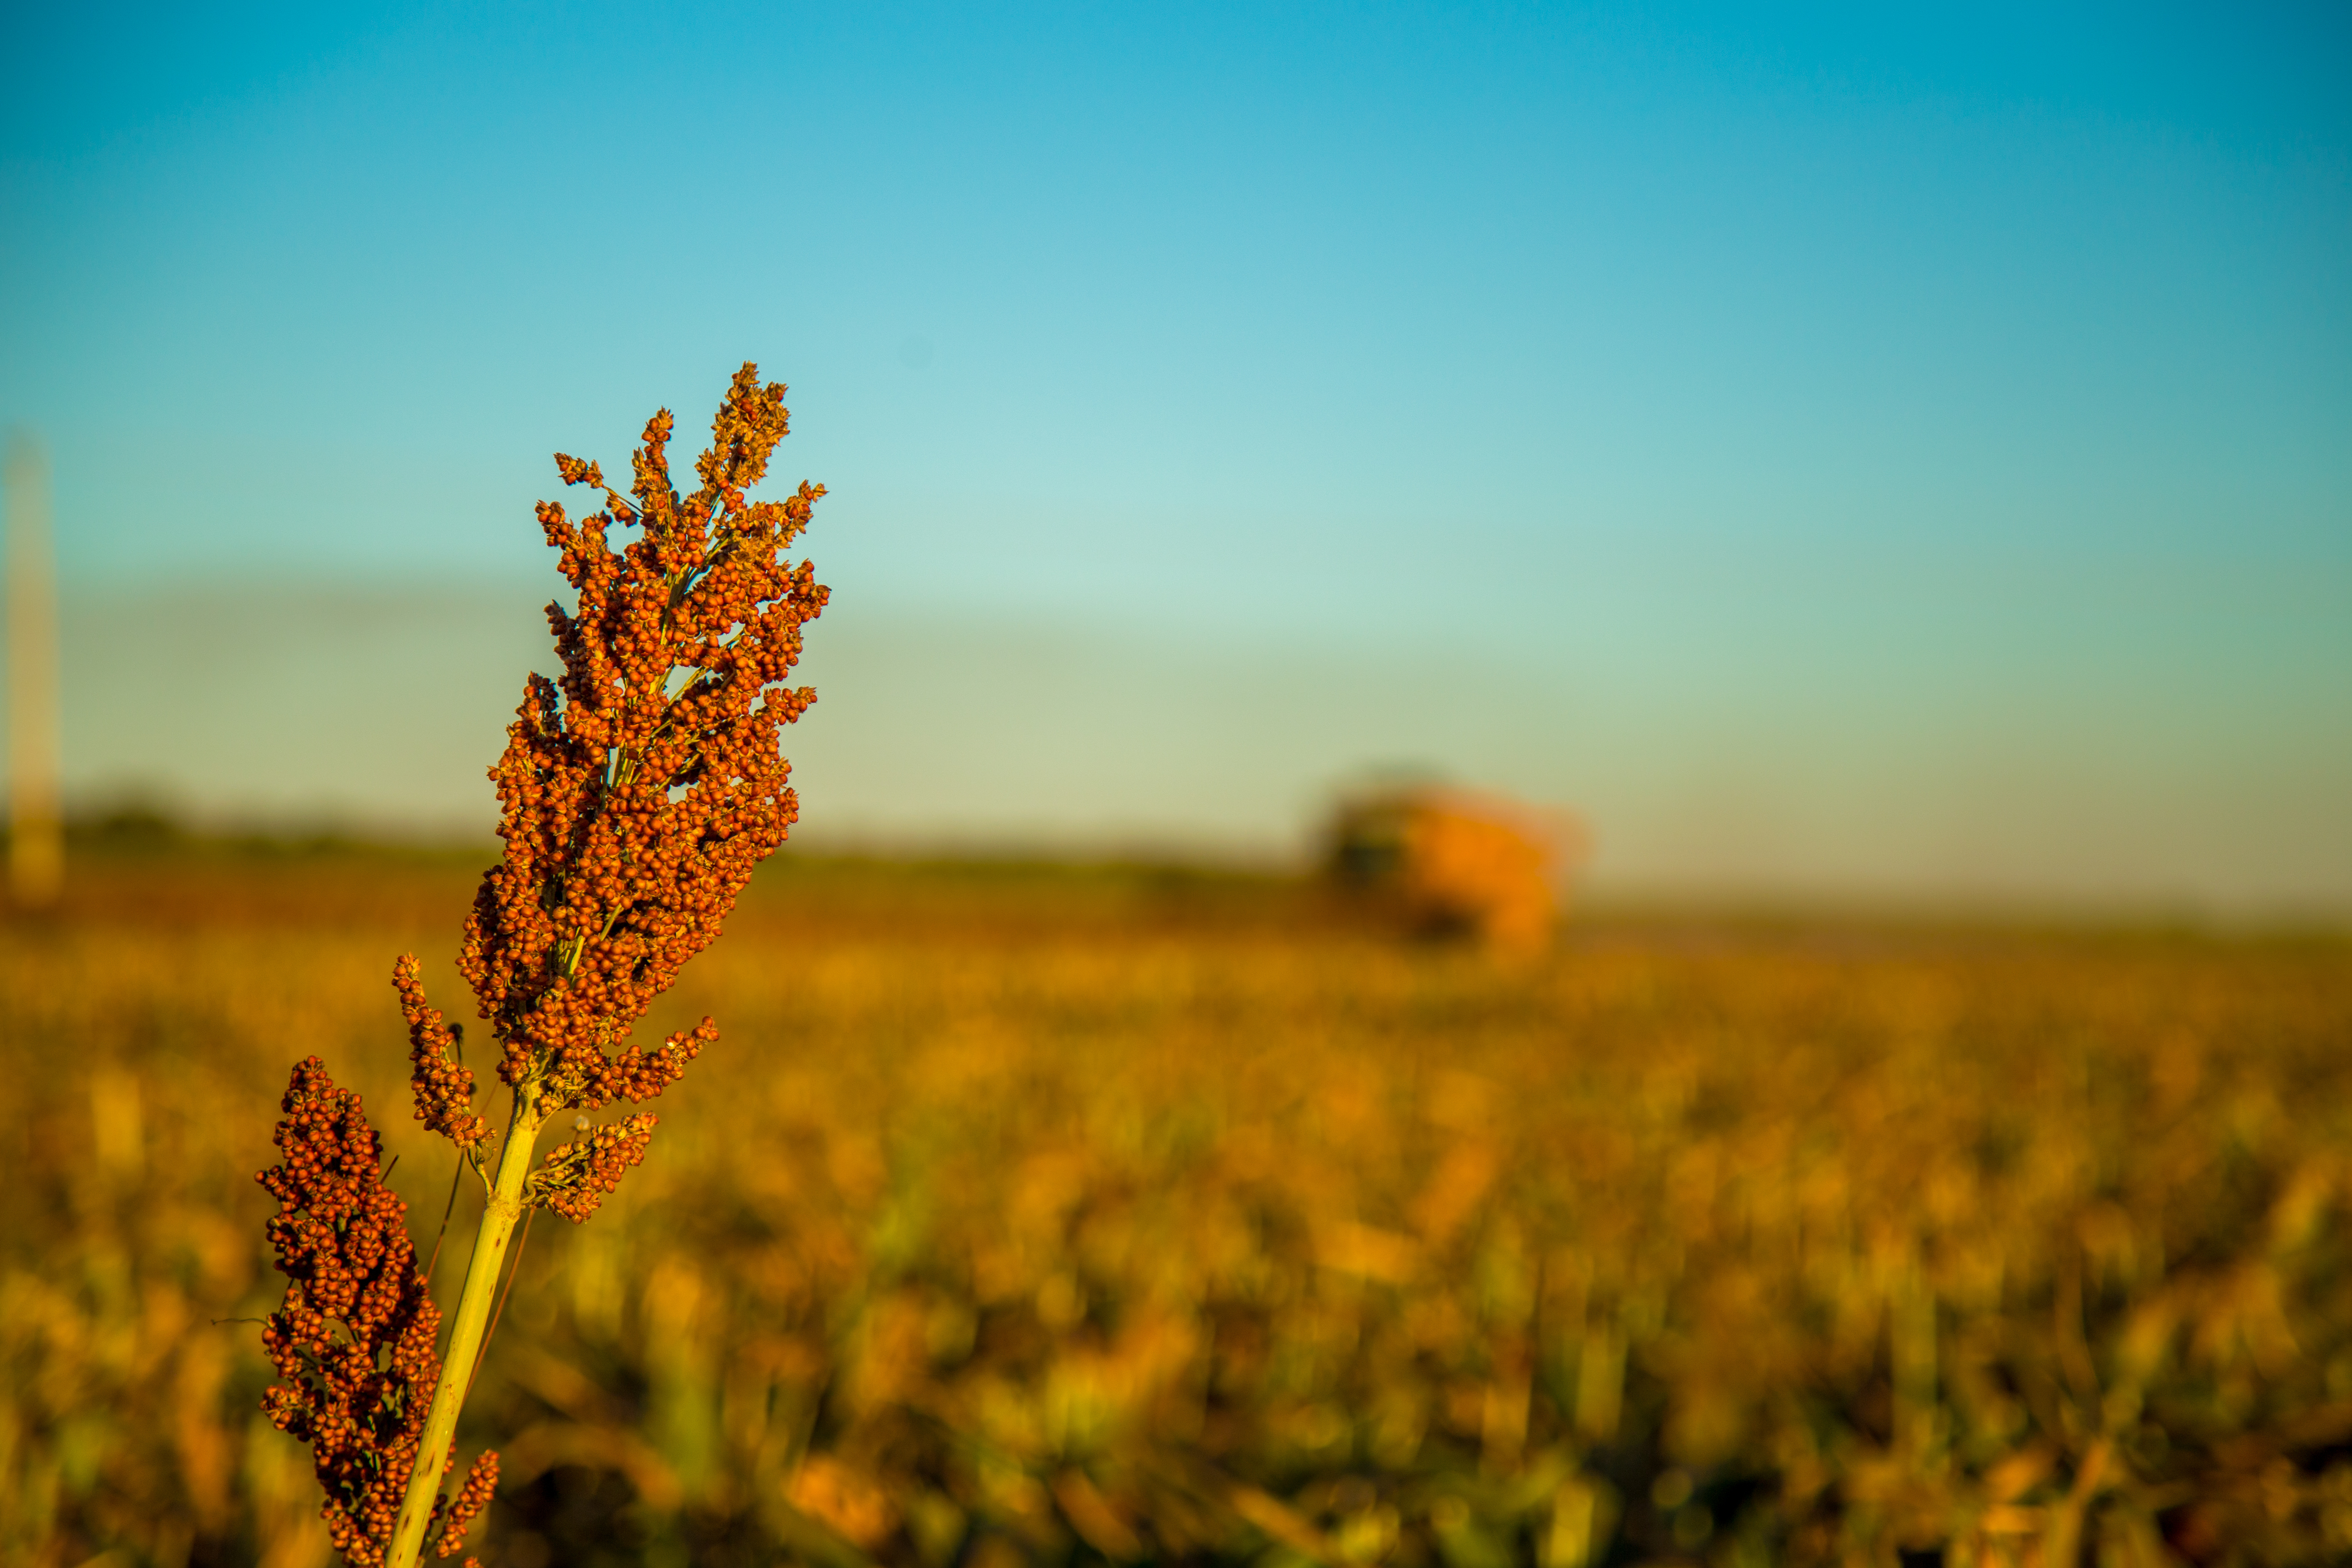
(1455, 862)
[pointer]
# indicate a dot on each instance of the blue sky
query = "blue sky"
(1745, 408)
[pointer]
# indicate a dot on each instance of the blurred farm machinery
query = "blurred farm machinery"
(1446, 862)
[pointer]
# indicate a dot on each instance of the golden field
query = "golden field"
(1054, 1217)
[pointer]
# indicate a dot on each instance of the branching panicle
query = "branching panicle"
(576, 1176)
(641, 787)
(443, 1087)
(637, 793)
(354, 1341)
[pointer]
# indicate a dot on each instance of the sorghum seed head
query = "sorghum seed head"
(354, 1340)
(639, 792)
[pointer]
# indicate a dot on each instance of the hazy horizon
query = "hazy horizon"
(381, 709)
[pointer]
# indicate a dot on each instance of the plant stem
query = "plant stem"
(500, 1214)
(522, 1244)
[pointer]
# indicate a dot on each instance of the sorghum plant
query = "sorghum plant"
(637, 794)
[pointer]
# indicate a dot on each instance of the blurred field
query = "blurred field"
(1034, 1215)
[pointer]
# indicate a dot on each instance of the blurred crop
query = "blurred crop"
(1058, 1216)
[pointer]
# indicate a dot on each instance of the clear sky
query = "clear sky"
(1859, 452)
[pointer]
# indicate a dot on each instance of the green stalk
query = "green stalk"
(500, 1216)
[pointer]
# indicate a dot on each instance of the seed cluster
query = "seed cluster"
(575, 1177)
(639, 791)
(354, 1340)
(444, 1090)
(474, 1496)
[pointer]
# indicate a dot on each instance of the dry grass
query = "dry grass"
(1028, 1215)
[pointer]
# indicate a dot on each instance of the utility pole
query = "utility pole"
(36, 850)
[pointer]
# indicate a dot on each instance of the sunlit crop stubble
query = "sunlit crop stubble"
(637, 795)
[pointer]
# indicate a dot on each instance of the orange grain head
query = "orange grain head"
(639, 789)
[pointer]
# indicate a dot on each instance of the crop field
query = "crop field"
(1038, 1216)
